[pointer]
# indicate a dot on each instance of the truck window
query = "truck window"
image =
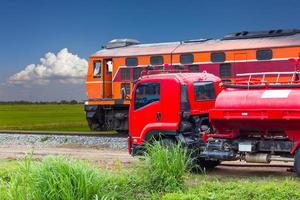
(97, 69)
(204, 91)
(145, 94)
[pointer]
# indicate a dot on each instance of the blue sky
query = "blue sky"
(29, 29)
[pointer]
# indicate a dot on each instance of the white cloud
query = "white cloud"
(64, 67)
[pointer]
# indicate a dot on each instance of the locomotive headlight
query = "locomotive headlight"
(86, 103)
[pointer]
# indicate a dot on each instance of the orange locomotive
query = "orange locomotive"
(113, 70)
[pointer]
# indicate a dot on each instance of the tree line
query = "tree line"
(43, 102)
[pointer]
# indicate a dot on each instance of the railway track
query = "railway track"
(65, 133)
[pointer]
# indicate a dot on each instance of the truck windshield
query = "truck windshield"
(145, 94)
(204, 91)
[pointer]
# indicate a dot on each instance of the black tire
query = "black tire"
(297, 162)
(209, 164)
(201, 165)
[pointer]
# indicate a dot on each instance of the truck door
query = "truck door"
(146, 108)
(170, 101)
(107, 78)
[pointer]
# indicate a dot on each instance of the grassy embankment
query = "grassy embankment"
(163, 175)
(43, 117)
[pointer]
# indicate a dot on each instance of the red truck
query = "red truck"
(171, 106)
(253, 120)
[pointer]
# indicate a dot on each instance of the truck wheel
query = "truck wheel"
(199, 164)
(209, 164)
(297, 162)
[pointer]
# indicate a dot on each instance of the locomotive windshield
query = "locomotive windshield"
(204, 91)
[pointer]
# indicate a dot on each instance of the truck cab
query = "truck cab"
(171, 106)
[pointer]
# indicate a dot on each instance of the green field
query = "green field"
(43, 117)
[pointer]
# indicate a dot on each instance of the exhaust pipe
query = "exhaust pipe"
(284, 159)
(265, 158)
(257, 158)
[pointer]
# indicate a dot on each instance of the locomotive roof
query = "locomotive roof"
(201, 46)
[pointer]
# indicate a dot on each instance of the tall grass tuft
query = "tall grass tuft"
(166, 167)
(59, 178)
(55, 178)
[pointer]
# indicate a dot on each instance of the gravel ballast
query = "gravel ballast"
(63, 140)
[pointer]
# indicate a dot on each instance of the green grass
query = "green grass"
(245, 188)
(165, 177)
(48, 117)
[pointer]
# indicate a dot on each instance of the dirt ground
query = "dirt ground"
(109, 158)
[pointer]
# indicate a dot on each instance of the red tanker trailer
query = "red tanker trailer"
(256, 121)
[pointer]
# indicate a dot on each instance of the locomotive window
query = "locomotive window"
(194, 68)
(265, 54)
(204, 91)
(131, 61)
(225, 70)
(109, 67)
(137, 73)
(125, 90)
(186, 58)
(125, 74)
(156, 60)
(217, 57)
(145, 94)
(97, 69)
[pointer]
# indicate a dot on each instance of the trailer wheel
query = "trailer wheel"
(297, 162)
